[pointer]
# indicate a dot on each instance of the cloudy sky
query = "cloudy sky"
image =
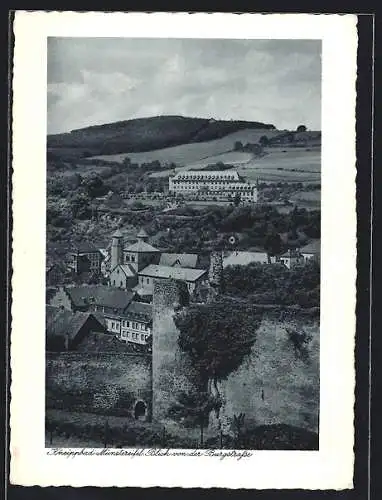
(101, 80)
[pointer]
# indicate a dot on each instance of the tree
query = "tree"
(301, 128)
(273, 243)
(217, 336)
(194, 408)
(80, 205)
(95, 186)
(264, 141)
(126, 162)
(238, 146)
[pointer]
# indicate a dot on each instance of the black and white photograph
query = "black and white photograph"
(184, 250)
(183, 243)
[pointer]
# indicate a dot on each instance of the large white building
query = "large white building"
(222, 184)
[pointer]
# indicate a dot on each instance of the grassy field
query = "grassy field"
(307, 199)
(195, 152)
(292, 165)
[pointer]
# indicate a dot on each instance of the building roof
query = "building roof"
(176, 273)
(189, 260)
(244, 258)
(64, 322)
(291, 253)
(140, 310)
(141, 246)
(100, 295)
(142, 234)
(83, 247)
(142, 291)
(313, 247)
(127, 269)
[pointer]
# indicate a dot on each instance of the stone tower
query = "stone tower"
(172, 371)
(116, 249)
(215, 274)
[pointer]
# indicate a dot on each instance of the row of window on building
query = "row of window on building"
(115, 325)
(211, 186)
(126, 335)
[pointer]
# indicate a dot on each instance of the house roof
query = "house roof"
(189, 260)
(141, 246)
(177, 273)
(127, 269)
(291, 253)
(313, 247)
(141, 291)
(100, 295)
(141, 310)
(62, 321)
(83, 247)
(244, 258)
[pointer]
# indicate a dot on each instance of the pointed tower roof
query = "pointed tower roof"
(117, 234)
(142, 234)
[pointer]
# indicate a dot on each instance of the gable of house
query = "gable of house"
(64, 329)
(179, 259)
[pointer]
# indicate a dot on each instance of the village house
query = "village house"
(237, 258)
(192, 277)
(123, 276)
(84, 258)
(135, 325)
(65, 330)
(123, 317)
(97, 298)
(312, 251)
(291, 258)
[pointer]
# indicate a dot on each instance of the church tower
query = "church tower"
(142, 235)
(116, 249)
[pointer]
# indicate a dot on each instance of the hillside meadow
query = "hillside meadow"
(186, 154)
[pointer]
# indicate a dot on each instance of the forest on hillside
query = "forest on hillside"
(143, 134)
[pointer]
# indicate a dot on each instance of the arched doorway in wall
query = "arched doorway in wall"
(140, 409)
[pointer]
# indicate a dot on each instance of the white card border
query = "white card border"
(332, 466)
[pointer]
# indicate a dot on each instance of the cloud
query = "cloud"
(93, 81)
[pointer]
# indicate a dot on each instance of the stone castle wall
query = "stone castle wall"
(275, 384)
(102, 383)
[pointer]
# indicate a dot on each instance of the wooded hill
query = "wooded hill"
(142, 134)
